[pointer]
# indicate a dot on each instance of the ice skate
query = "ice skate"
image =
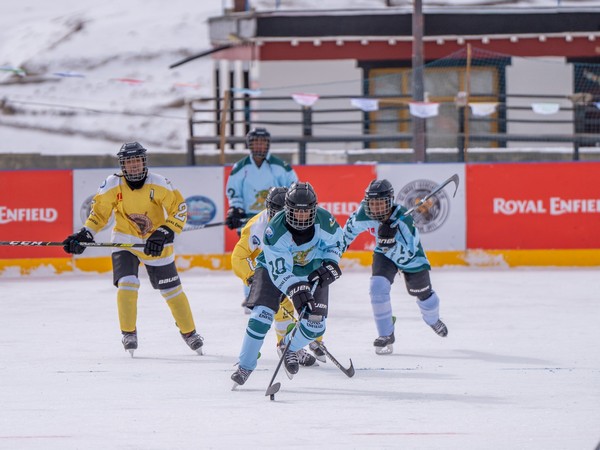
(314, 347)
(383, 344)
(290, 361)
(239, 377)
(306, 359)
(130, 343)
(440, 328)
(194, 341)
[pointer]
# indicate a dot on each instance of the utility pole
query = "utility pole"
(418, 89)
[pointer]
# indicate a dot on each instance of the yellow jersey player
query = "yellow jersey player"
(243, 261)
(148, 210)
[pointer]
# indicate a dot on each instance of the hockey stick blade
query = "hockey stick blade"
(349, 372)
(453, 179)
(272, 390)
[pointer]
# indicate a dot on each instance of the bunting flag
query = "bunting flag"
(424, 109)
(366, 104)
(305, 99)
(545, 108)
(483, 109)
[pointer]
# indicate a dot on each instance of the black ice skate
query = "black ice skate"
(290, 361)
(440, 328)
(239, 377)
(314, 347)
(129, 341)
(383, 344)
(194, 341)
(306, 359)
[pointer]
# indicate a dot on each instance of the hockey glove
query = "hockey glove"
(386, 236)
(235, 218)
(300, 294)
(326, 274)
(157, 240)
(72, 243)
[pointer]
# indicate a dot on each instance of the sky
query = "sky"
(98, 72)
(518, 370)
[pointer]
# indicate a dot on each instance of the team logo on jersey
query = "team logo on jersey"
(269, 232)
(260, 200)
(200, 210)
(301, 257)
(142, 221)
(433, 213)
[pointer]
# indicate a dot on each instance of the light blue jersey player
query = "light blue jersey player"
(302, 247)
(252, 177)
(398, 249)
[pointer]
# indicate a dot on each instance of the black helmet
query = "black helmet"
(300, 198)
(275, 200)
(258, 134)
(129, 151)
(379, 189)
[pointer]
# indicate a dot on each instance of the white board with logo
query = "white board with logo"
(442, 220)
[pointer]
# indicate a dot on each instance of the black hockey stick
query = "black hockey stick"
(453, 179)
(272, 389)
(60, 244)
(349, 372)
(206, 225)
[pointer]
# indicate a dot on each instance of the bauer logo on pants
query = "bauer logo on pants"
(433, 213)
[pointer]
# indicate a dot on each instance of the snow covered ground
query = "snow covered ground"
(98, 72)
(519, 369)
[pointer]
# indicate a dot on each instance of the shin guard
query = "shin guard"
(180, 308)
(381, 303)
(127, 295)
(259, 324)
(430, 309)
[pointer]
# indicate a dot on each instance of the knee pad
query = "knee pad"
(380, 289)
(260, 322)
(129, 283)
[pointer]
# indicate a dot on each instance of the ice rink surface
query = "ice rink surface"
(520, 368)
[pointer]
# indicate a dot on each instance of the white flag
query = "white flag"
(424, 109)
(305, 99)
(366, 104)
(483, 109)
(545, 108)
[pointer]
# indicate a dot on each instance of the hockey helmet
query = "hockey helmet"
(300, 206)
(379, 198)
(132, 160)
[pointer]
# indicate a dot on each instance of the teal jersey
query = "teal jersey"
(407, 254)
(248, 185)
(289, 263)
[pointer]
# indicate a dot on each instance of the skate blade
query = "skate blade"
(321, 358)
(199, 351)
(387, 350)
(235, 386)
(130, 351)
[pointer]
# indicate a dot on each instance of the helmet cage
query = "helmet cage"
(301, 206)
(129, 152)
(255, 136)
(379, 199)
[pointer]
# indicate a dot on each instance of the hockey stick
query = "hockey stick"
(349, 372)
(272, 389)
(60, 244)
(453, 179)
(207, 225)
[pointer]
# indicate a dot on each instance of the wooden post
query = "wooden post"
(223, 115)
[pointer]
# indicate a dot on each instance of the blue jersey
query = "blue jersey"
(289, 263)
(407, 254)
(248, 184)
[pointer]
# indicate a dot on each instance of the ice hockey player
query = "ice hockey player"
(302, 248)
(250, 180)
(139, 199)
(398, 249)
(243, 261)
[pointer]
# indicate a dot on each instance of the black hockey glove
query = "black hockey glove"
(300, 294)
(72, 243)
(235, 218)
(157, 240)
(326, 274)
(386, 236)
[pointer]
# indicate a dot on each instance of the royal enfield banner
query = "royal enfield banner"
(201, 187)
(35, 205)
(339, 190)
(441, 219)
(534, 206)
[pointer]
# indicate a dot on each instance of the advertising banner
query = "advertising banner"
(441, 223)
(339, 190)
(533, 206)
(201, 187)
(35, 206)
